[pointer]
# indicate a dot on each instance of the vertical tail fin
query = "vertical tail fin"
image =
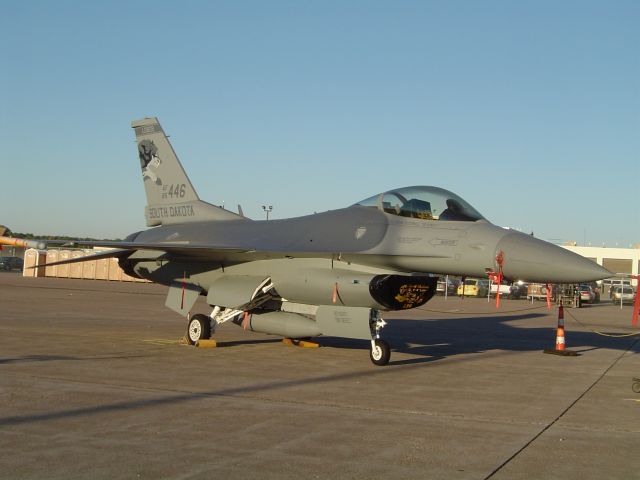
(171, 198)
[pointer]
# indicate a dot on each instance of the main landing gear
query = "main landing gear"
(199, 328)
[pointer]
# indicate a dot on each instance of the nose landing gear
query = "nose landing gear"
(380, 350)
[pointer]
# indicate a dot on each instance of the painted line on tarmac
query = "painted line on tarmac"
(563, 413)
(160, 341)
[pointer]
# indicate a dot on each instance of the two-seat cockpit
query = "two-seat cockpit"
(426, 203)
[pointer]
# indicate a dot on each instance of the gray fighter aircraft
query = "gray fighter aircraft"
(330, 273)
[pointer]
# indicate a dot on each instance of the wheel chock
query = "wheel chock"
(210, 343)
(290, 342)
(183, 341)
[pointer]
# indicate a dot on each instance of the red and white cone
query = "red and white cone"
(560, 338)
(560, 331)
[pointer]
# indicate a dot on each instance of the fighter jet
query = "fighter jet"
(330, 273)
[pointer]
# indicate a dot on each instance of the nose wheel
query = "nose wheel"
(380, 352)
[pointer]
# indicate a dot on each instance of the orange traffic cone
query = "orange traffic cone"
(560, 330)
(560, 340)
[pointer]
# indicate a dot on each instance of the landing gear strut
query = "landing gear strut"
(380, 350)
(201, 327)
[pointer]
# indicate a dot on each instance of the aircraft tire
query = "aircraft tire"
(381, 353)
(199, 328)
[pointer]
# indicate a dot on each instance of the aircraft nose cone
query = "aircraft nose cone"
(527, 258)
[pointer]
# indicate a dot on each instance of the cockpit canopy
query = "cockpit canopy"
(427, 203)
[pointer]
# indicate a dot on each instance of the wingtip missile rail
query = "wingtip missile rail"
(19, 242)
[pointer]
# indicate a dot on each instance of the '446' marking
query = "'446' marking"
(175, 191)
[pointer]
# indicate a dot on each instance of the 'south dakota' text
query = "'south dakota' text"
(172, 211)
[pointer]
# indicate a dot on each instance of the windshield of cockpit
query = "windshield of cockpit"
(427, 203)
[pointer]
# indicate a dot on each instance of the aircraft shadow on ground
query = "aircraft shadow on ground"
(431, 340)
(35, 358)
(65, 358)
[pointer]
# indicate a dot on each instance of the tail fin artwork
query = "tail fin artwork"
(171, 198)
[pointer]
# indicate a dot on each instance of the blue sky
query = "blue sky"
(528, 110)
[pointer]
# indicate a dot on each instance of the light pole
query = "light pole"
(267, 209)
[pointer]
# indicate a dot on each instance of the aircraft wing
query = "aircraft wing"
(169, 247)
(97, 256)
(183, 248)
(196, 252)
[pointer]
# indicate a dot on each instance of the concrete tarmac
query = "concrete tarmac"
(93, 384)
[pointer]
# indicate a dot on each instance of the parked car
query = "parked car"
(616, 287)
(586, 293)
(519, 289)
(505, 288)
(11, 263)
(624, 293)
(474, 287)
(610, 283)
(451, 286)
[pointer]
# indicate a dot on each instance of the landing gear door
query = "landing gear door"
(234, 291)
(181, 297)
(347, 322)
